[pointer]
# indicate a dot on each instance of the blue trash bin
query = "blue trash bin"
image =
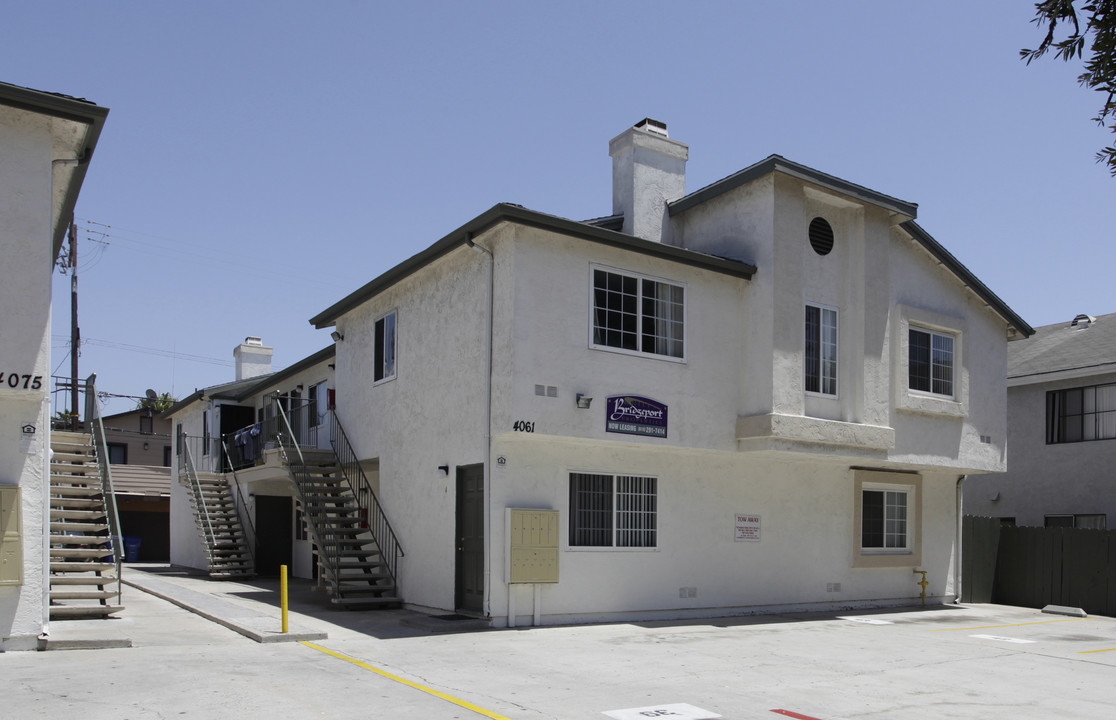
(131, 548)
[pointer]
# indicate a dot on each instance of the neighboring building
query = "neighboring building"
(139, 449)
(47, 142)
(209, 425)
(1061, 410)
(760, 395)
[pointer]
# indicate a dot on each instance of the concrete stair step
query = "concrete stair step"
(90, 528)
(79, 540)
(75, 553)
(64, 595)
(82, 580)
(76, 503)
(76, 567)
(83, 612)
(66, 513)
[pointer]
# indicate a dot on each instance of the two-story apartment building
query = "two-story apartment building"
(47, 141)
(760, 395)
(1061, 408)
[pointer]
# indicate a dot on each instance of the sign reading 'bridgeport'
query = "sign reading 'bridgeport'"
(633, 415)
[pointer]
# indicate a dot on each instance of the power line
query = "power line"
(151, 351)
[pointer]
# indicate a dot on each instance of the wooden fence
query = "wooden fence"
(1035, 567)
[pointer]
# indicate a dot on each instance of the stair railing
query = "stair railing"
(369, 504)
(242, 513)
(93, 418)
(208, 535)
(296, 465)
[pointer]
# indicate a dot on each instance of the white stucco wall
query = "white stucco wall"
(25, 280)
(1057, 479)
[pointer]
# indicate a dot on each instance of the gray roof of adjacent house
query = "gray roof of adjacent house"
(1085, 345)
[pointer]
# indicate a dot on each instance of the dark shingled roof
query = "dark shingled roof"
(1062, 347)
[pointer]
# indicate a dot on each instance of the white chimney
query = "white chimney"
(253, 358)
(648, 171)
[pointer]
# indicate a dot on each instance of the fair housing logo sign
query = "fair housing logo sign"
(635, 415)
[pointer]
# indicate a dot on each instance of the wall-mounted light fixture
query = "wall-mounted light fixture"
(337, 336)
(145, 446)
(444, 469)
(584, 401)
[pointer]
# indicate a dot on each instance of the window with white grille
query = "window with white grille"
(613, 510)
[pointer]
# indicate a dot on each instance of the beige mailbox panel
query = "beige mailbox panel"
(534, 546)
(11, 538)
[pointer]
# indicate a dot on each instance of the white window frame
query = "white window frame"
(917, 401)
(890, 494)
(640, 279)
(933, 333)
(388, 371)
(616, 513)
(885, 481)
(822, 359)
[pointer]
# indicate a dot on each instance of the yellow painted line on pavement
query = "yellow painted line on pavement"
(1086, 652)
(985, 627)
(416, 686)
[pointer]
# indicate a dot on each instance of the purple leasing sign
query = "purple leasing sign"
(634, 415)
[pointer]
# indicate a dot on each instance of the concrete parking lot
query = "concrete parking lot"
(974, 661)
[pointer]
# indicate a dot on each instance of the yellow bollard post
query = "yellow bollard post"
(283, 594)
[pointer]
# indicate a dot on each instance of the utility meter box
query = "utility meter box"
(11, 536)
(534, 546)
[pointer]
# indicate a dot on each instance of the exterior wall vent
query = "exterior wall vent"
(1082, 321)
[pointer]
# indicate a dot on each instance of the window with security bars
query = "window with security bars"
(821, 350)
(612, 510)
(930, 362)
(638, 314)
(884, 520)
(1081, 414)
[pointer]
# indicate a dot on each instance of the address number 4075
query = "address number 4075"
(17, 381)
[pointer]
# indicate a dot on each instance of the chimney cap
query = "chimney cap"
(253, 340)
(655, 126)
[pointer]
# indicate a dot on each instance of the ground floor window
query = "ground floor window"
(1092, 521)
(612, 510)
(887, 519)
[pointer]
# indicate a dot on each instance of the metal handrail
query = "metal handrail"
(369, 504)
(93, 417)
(296, 464)
(199, 498)
(242, 508)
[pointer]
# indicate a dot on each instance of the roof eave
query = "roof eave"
(75, 110)
(778, 163)
(966, 276)
(506, 212)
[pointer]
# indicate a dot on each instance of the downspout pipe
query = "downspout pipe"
(957, 569)
(487, 607)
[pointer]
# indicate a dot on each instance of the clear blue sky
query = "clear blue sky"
(262, 160)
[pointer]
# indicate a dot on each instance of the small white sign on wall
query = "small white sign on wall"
(747, 527)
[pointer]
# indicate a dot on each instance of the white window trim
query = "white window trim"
(614, 547)
(639, 353)
(836, 395)
(931, 331)
(910, 556)
(920, 401)
(395, 369)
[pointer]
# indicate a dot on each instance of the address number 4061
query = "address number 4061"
(523, 426)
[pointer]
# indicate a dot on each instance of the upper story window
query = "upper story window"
(637, 314)
(1081, 414)
(384, 349)
(145, 424)
(821, 350)
(930, 362)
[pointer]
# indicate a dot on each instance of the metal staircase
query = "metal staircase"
(85, 543)
(357, 549)
(228, 551)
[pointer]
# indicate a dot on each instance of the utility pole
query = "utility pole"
(75, 333)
